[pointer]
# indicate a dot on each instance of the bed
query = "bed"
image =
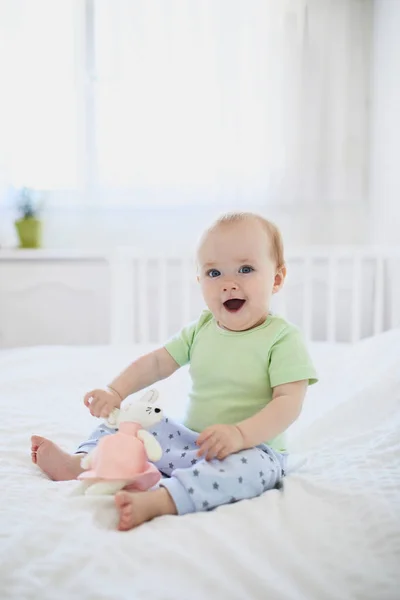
(332, 532)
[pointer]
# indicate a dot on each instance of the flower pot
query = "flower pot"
(29, 232)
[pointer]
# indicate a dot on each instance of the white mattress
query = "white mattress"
(333, 532)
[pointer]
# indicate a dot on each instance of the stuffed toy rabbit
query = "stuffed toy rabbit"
(121, 460)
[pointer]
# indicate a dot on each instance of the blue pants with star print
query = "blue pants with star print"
(198, 485)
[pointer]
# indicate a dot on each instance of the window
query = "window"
(38, 100)
(142, 101)
(184, 109)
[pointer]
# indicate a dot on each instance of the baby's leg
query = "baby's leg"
(203, 486)
(240, 476)
(243, 475)
(59, 465)
(178, 444)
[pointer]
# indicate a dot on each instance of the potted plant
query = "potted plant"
(28, 226)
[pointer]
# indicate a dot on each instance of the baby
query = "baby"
(249, 369)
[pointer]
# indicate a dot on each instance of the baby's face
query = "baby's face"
(238, 275)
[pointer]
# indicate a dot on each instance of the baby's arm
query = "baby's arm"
(221, 440)
(143, 372)
(277, 416)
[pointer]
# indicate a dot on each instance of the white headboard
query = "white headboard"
(333, 293)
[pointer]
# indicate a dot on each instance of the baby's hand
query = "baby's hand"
(102, 402)
(219, 441)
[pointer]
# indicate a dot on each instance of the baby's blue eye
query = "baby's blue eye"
(246, 269)
(213, 273)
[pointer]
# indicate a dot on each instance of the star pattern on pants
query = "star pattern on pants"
(190, 449)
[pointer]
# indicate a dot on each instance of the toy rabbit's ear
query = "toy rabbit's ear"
(113, 418)
(150, 397)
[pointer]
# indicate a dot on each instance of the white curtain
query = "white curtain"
(231, 101)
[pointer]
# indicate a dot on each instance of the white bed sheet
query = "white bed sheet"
(333, 532)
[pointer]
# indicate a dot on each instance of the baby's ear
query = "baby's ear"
(280, 277)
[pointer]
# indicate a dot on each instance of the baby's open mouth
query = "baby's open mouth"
(234, 304)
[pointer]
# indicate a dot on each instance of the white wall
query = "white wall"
(385, 123)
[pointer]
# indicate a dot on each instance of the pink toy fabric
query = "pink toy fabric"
(122, 456)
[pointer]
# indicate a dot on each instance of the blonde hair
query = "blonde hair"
(271, 229)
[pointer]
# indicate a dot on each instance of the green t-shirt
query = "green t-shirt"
(234, 372)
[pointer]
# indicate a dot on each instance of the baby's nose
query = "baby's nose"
(231, 285)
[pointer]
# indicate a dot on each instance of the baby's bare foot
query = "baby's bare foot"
(132, 511)
(57, 464)
(137, 508)
(129, 513)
